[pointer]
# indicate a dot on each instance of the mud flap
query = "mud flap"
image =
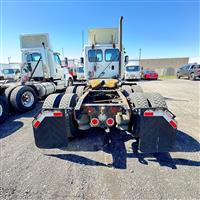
(49, 129)
(156, 132)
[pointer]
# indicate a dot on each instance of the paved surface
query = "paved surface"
(86, 170)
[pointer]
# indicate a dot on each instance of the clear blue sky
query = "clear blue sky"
(159, 28)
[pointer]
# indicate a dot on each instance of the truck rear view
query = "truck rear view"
(107, 103)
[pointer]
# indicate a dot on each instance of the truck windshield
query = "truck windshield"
(112, 55)
(80, 70)
(132, 68)
(9, 71)
(95, 55)
(33, 57)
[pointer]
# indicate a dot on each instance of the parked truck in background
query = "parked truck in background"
(41, 74)
(105, 101)
(133, 72)
(11, 74)
(191, 71)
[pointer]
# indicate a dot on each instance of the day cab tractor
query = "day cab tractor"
(41, 74)
(105, 101)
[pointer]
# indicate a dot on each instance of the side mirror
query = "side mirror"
(126, 59)
(82, 60)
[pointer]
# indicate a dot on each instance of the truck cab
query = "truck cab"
(101, 55)
(39, 60)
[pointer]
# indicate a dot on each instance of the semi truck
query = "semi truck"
(41, 74)
(105, 101)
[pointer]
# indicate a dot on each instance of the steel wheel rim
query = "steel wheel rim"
(27, 99)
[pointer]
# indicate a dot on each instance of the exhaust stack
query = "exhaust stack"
(120, 44)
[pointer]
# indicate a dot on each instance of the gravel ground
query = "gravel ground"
(86, 170)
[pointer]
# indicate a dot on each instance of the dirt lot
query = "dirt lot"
(86, 170)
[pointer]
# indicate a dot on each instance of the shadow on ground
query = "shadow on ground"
(97, 140)
(13, 122)
(173, 99)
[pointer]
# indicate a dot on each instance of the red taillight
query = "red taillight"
(110, 121)
(90, 109)
(114, 109)
(173, 124)
(36, 124)
(94, 122)
(57, 114)
(148, 113)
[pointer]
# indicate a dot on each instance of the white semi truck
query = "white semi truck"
(41, 74)
(106, 102)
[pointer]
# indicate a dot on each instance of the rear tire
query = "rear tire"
(156, 100)
(80, 91)
(23, 98)
(4, 109)
(7, 94)
(178, 76)
(52, 101)
(70, 89)
(69, 101)
(192, 77)
(138, 100)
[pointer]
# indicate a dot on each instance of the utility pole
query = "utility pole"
(9, 58)
(140, 52)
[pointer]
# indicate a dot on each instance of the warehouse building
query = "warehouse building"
(164, 66)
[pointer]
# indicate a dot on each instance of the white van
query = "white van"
(133, 72)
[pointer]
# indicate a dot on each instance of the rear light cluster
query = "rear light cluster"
(90, 110)
(112, 109)
(95, 122)
(115, 109)
(110, 121)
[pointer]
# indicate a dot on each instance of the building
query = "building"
(164, 66)
(10, 66)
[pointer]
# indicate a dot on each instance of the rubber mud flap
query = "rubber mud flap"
(156, 134)
(51, 133)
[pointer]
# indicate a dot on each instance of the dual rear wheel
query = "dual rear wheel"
(21, 98)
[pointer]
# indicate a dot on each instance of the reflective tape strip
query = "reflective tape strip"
(160, 113)
(41, 117)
